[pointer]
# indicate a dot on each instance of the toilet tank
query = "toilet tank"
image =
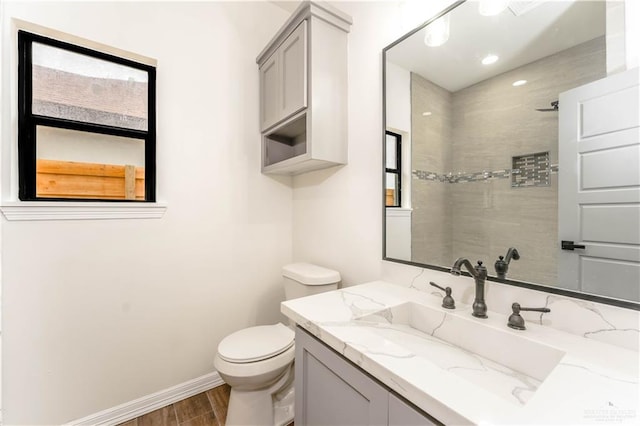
(305, 279)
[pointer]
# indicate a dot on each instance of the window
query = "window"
(393, 169)
(86, 124)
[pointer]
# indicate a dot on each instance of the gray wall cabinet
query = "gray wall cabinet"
(303, 92)
(283, 79)
(332, 391)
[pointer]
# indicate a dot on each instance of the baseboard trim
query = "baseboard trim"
(132, 409)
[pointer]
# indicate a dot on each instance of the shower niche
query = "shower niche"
(531, 170)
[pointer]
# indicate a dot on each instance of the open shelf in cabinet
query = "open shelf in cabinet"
(285, 142)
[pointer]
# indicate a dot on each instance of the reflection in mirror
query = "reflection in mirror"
(393, 169)
(477, 101)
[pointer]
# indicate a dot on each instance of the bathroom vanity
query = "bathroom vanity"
(334, 391)
(380, 353)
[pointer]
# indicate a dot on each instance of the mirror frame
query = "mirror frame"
(523, 284)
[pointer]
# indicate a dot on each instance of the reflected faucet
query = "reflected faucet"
(502, 264)
(479, 273)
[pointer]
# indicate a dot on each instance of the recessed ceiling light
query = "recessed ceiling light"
(426, 113)
(519, 83)
(489, 59)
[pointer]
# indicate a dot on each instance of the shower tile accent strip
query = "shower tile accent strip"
(534, 172)
(461, 177)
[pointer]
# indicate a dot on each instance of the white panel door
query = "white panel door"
(599, 187)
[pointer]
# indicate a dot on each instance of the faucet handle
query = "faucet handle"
(515, 319)
(447, 302)
(482, 270)
(501, 267)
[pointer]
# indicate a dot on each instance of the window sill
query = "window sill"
(38, 210)
(399, 211)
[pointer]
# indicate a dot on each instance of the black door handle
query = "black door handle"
(569, 245)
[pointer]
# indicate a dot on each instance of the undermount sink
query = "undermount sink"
(510, 366)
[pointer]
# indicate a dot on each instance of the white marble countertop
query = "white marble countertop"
(587, 382)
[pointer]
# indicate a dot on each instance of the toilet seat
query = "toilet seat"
(256, 343)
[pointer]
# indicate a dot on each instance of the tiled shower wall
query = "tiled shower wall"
(431, 230)
(482, 219)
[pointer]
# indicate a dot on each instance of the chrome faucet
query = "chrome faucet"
(479, 273)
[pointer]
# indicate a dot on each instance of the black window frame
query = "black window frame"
(27, 121)
(398, 169)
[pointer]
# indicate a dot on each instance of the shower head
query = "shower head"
(555, 106)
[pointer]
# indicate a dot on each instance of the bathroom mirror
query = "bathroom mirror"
(471, 122)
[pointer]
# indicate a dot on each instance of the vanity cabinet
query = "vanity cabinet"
(330, 390)
(303, 92)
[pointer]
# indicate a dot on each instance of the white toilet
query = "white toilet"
(257, 362)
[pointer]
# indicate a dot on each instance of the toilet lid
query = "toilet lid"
(256, 343)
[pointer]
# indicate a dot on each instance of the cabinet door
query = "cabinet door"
(283, 79)
(402, 414)
(293, 63)
(269, 92)
(331, 391)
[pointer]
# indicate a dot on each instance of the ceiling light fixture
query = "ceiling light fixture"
(519, 83)
(492, 7)
(490, 59)
(437, 32)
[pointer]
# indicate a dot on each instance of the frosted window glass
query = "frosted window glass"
(77, 87)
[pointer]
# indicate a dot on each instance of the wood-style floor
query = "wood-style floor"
(205, 409)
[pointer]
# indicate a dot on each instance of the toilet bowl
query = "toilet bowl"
(257, 362)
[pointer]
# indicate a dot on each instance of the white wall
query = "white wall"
(1, 271)
(337, 213)
(398, 97)
(632, 32)
(98, 313)
(398, 232)
(623, 35)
